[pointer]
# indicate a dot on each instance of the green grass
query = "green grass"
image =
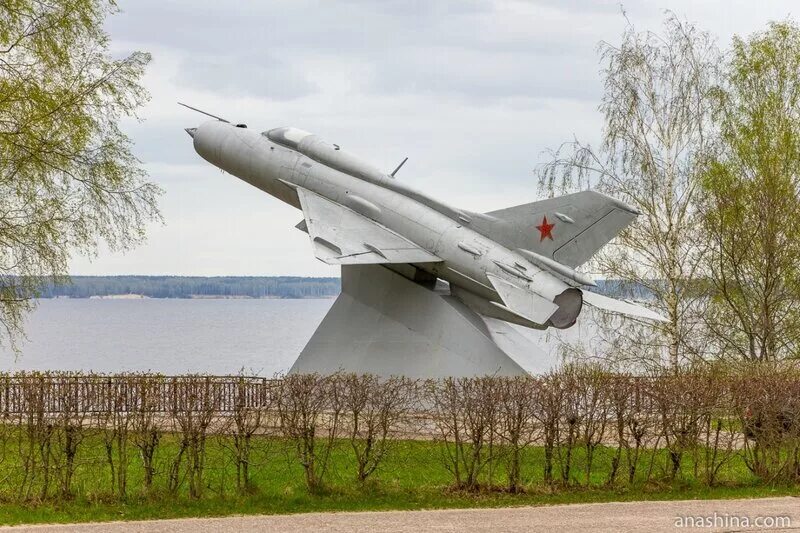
(347, 500)
(413, 477)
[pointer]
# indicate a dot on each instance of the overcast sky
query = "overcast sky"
(472, 91)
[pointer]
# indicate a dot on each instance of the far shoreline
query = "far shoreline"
(190, 297)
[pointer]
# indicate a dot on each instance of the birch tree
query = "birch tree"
(68, 178)
(753, 199)
(657, 108)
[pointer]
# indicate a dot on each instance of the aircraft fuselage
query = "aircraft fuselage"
(468, 258)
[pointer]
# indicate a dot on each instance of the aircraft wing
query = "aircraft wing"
(340, 236)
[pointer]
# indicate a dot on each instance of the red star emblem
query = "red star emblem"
(544, 229)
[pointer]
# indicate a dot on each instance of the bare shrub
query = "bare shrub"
(792, 421)
(585, 408)
(310, 407)
(6, 453)
(516, 423)
(567, 426)
(35, 439)
(114, 421)
(246, 420)
(632, 423)
(594, 409)
(619, 395)
(548, 411)
(465, 417)
(679, 410)
(765, 396)
(146, 431)
(195, 403)
(8, 424)
(717, 432)
(375, 408)
(69, 429)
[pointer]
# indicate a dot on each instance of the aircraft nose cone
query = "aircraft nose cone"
(191, 131)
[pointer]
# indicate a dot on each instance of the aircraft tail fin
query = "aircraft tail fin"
(569, 229)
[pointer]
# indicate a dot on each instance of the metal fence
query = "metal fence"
(80, 393)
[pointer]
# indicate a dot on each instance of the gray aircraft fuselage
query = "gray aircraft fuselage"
(468, 258)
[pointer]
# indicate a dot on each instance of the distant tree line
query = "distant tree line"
(243, 287)
(194, 286)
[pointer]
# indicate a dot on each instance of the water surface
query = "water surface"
(259, 336)
(168, 336)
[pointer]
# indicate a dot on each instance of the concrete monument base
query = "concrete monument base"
(385, 324)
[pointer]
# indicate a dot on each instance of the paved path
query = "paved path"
(622, 517)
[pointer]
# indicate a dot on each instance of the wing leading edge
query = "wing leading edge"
(341, 236)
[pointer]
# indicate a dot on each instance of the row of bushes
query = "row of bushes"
(694, 424)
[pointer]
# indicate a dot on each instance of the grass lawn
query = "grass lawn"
(412, 477)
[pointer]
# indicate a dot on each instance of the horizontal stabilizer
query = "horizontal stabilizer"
(523, 302)
(618, 306)
(340, 236)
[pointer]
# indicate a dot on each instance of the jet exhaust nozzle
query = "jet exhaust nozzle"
(569, 304)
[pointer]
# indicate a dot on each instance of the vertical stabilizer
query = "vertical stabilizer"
(569, 229)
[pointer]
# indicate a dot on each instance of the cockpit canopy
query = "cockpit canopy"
(287, 136)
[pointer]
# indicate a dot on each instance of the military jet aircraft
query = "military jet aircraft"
(516, 265)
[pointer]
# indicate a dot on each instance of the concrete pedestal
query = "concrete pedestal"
(385, 324)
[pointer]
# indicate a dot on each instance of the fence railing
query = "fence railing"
(60, 393)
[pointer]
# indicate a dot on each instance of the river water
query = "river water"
(260, 337)
(169, 336)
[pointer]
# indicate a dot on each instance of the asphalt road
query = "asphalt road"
(618, 517)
